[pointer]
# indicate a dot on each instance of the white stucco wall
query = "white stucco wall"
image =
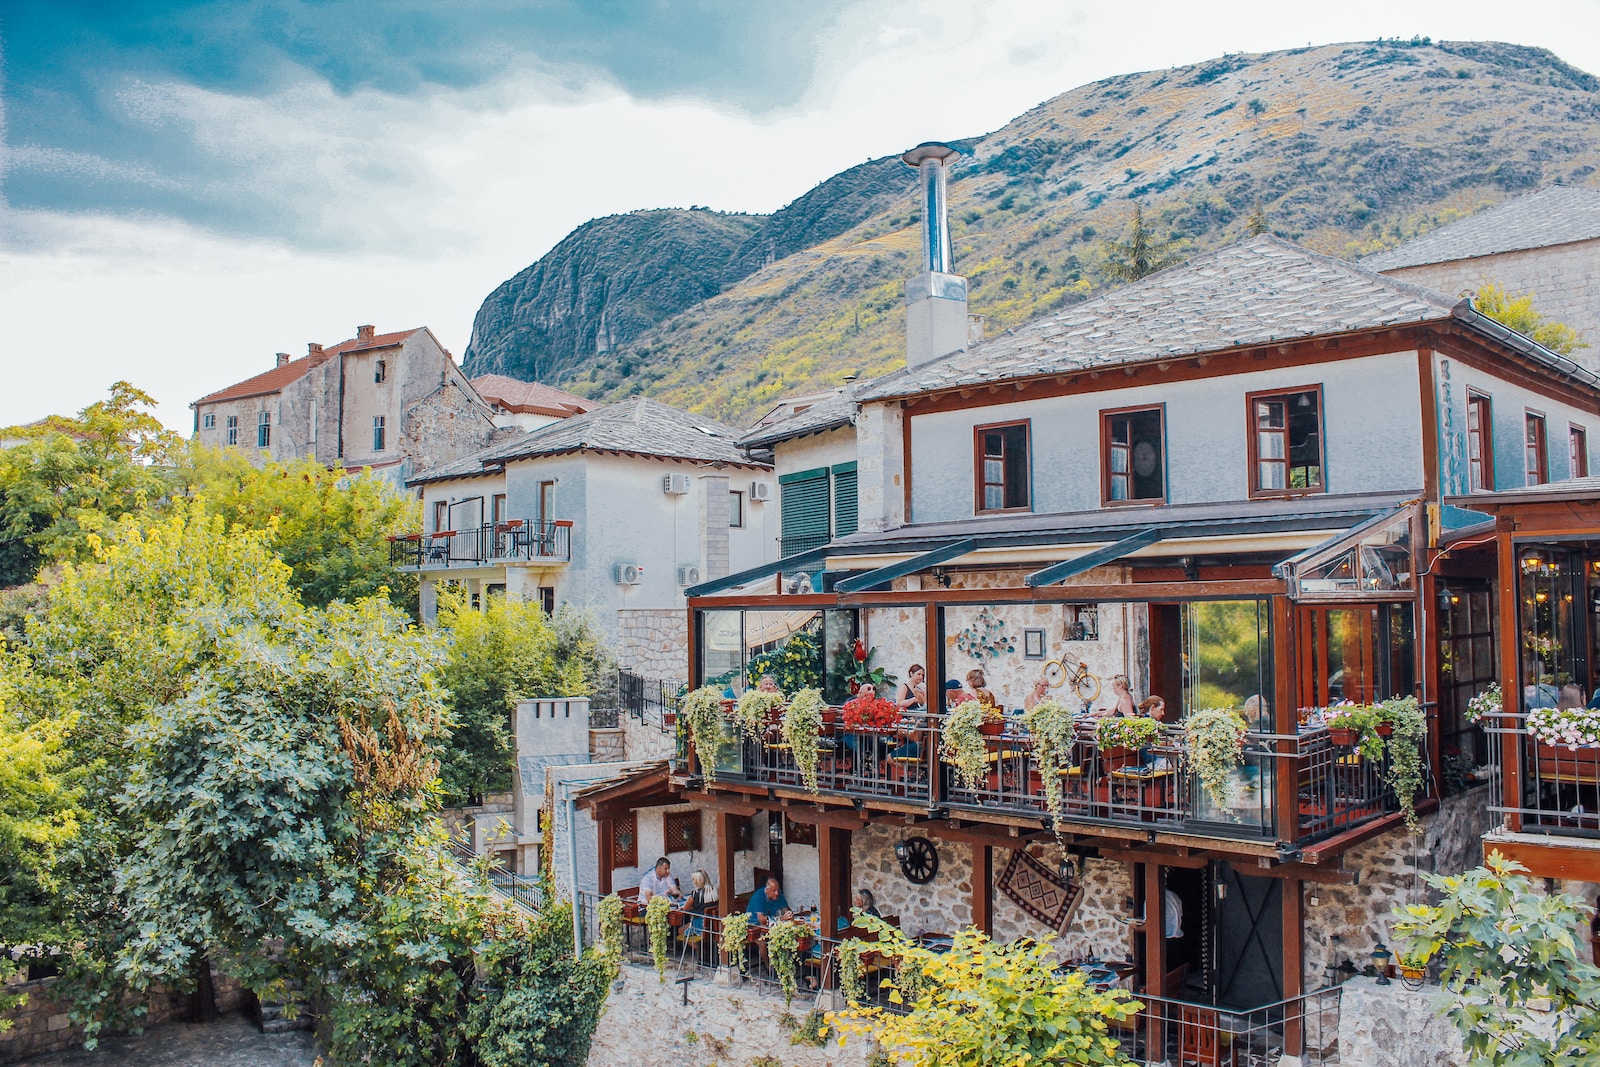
(815, 450)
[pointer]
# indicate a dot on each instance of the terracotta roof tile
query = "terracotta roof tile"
(274, 380)
(530, 397)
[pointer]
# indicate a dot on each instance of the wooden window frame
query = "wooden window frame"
(681, 831)
(977, 467)
(546, 501)
(1577, 457)
(441, 515)
(1485, 436)
(625, 856)
(1105, 456)
(498, 511)
(1250, 398)
(380, 434)
(1541, 447)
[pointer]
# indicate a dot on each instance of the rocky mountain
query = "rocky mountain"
(1345, 148)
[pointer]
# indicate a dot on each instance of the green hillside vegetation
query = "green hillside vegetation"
(1344, 148)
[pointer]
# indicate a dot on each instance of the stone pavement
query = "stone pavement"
(231, 1041)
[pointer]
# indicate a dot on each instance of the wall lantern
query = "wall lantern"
(1380, 961)
(775, 829)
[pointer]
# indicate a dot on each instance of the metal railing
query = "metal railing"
(652, 701)
(1540, 788)
(1335, 787)
(524, 892)
(516, 541)
(1177, 1031)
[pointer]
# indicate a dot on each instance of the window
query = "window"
(1578, 452)
(1286, 443)
(209, 421)
(1538, 461)
(1480, 442)
(382, 373)
(547, 502)
(233, 429)
(1002, 462)
(681, 831)
(625, 841)
(498, 510)
(845, 512)
(263, 429)
(736, 510)
(803, 511)
(441, 515)
(377, 433)
(1132, 457)
(547, 599)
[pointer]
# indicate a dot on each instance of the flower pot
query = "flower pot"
(1562, 764)
(1412, 977)
(1343, 738)
(669, 718)
(1384, 729)
(728, 704)
(991, 729)
(830, 716)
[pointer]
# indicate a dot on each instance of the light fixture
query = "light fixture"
(1304, 401)
(941, 576)
(900, 850)
(1380, 961)
(775, 829)
(1448, 596)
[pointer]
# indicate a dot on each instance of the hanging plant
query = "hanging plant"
(964, 746)
(735, 931)
(1489, 702)
(656, 914)
(611, 926)
(852, 971)
(701, 715)
(1053, 728)
(754, 711)
(801, 725)
(1404, 772)
(1360, 723)
(783, 946)
(1121, 732)
(1214, 749)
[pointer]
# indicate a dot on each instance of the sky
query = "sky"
(188, 187)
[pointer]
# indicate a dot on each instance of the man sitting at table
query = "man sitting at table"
(656, 882)
(769, 904)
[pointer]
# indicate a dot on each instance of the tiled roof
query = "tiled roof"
(825, 414)
(1552, 216)
(531, 397)
(275, 379)
(1258, 291)
(639, 426)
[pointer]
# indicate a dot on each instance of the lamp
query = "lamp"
(900, 851)
(1448, 596)
(1346, 970)
(775, 829)
(1380, 961)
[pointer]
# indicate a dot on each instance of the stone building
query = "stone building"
(527, 405)
(1546, 243)
(395, 402)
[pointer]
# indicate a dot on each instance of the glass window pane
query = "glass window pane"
(1272, 476)
(1269, 445)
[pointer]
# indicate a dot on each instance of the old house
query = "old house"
(395, 402)
(527, 405)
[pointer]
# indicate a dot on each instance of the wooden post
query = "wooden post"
(933, 634)
(830, 906)
(1285, 720)
(1510, 594)
(1293, 965)
(727, 841)
(608, 837)
(1155, 957)
(983, 888)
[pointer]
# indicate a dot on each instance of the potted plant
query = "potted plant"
(1409, 731)
(1053, 728)
(1119, 739)
(1351, 726)
(783, 947)
(756, 710)
(1489, 702)
(735, 932)
(1566, 742)
(962, 742)
(701, 715)
(1413, 970)
(657, 914)
(870, 713)
(864, 672)
(1214, 749)
(802, 723)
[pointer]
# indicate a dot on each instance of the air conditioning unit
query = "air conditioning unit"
(675, 484)
(629, 573)
(688, 574)
(760, 490)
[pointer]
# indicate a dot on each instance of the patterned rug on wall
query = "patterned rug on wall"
(1038, 891)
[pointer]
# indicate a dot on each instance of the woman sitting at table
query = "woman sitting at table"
(1153, 707)
(1122, 694)
(1040, 691)
(976, 682)
(703, 895)
(913, 694)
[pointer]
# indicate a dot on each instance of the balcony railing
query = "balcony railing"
(1336, 788)
(516, 541)
(1549, 789)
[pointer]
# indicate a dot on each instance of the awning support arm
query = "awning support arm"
(1059, 572)
(885, 575)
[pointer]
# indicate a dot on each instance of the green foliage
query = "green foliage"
(852, 972)
(1362, 718)
(656, 914)
(1518, 313)
(1053, 729)
(802, 722)
(753, 710)
(963, 746)
(1213, 741)
(795, 665)
(813, 1030)
(1505, 952)
(1125, 732)
(783, 947)
(1140, 255)
(1405, 746)
(701, 716)
(735, 929)
(986, 1003)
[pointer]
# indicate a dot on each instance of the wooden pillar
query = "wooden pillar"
(1155, 956)
(608, 837)
(1285, 720)
(830, 906)
(933, 635)
(727, 842)
(1293, 965)
(983, 888)
(1510, 594)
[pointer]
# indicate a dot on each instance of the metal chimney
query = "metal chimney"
(936, 300)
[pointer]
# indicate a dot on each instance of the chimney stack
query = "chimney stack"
(936, 299)
(283, 358)
(313, 349)
(364, 335)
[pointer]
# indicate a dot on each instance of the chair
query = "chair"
(1198, 1039)
(632, 912)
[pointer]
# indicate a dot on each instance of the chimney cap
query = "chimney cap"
(929, 150)
(283, 357)
(313, 349)
(364, 333)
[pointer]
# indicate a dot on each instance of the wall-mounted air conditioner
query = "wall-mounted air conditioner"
(760, 490)
(629, 573)
(675, 484)
(688, 574)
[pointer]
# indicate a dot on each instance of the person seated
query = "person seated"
(913, 693)
(1153, 707)
(702, 895)
(769, 905)
(657, 881)
(1039, 692)
(1571, 697)
(863, 903)
(768, 684)
(1122, 695)
(955, 695)
(976, 682)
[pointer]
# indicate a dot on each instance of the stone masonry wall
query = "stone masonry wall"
(653, 642)
(943, 905)
(1094, 930)
(41, 1025)
(645, 740)
(1391, 1026)
(647, 1024)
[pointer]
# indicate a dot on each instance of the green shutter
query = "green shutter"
(844, 499)
(803, 506)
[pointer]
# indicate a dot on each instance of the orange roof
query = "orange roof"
(274, 380)
(530, 397)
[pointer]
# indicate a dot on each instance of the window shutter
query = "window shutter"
(803, 507)
(845, 512)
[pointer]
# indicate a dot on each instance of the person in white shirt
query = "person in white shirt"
(656, 882)
(1171, 914)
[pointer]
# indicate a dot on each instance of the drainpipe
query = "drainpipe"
(572, 868)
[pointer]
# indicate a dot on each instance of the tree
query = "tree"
(986, 1004)
(1140, 255)
(1257, 223)
(1502, 948)
(1518, 313)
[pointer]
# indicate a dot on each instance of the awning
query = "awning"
(1060, 572)
(800, 561)
(885, 575)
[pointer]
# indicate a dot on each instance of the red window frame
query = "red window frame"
(1111, 451)
(992, 470)
(1535, 448)
(1577, 450)
(1480, 442)
(1255, 433)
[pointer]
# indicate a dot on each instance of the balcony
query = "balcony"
(1335, 788)
(515, 541)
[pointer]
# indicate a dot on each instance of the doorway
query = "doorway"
(1245, 934)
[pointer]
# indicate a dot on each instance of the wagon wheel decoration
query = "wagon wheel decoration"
(1080, 681)
(919, 860)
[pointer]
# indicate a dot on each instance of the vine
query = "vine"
(1214, 747)
(701, 714)
(852, 971)
(1053, 728)
(735, 931)
(753, 710)
(964, 746)
(656, 914)
(783, 944)
(1405, 752)
(611, 926)
(801, 725)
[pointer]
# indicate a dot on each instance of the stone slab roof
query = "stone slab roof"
(826, 414)
(531, 397)
(1258, 291)
(1573, 489)
(1553, 216)
(275, 379)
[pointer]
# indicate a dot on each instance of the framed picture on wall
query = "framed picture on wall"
(1033, 644)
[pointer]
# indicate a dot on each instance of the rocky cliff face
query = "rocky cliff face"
(1345, 148)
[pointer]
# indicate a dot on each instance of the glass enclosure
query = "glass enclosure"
(1227, 656)
(1378, 560)
(802, 649)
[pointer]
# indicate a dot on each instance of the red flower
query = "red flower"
(877, 713)
(859, 652)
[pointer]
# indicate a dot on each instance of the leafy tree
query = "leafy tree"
(1257, 223)
(1518, 313)
(986, 1004)
(1140, 255)
(1503, 947)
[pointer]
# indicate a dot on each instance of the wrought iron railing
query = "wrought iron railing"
(1177, 1031)
(1542, 788)
(525, 892)
(507, 542)
(652, 701)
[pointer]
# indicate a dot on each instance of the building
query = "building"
(527, 405)
(395, 402)
(1546, 243)
(812, 445)
(616, 510)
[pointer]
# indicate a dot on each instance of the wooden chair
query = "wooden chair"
(1198, 1040)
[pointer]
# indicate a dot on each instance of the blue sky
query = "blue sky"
(188, 187)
